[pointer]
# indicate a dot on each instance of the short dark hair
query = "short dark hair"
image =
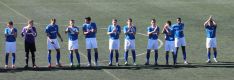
(153, 20)
(114, 20)
(53, 19)
(169, 23)
(10, 23)
(88, 18)
(130, 19)
(72, 20)
(179, 18)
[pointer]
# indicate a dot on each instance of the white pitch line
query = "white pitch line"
(103, 69)
(14, 10)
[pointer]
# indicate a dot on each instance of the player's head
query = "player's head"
(53, 21)
(129, 21)
(114, 21)
(168, 23)
(71, 22)
(87, 19)
(153, 22)
(10, 24)
(30, 23)
(178, 20)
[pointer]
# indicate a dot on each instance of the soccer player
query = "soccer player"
(73, 32)
(210, 28)
(114, 31)
(10, 35)
(153, 33)
(129, 42)
(179, 39)
(90, 30)
(169, 41)
(52, 31)
(29, 33)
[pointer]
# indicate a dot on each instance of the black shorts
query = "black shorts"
(29, 47)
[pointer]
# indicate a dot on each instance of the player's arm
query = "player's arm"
(94, 30)
(85, 31)
(206, 22)
(134, 31)
(34, 31)
(60, 36)
(15, 33)
(150, 32)
(23, 32)
(109, 30)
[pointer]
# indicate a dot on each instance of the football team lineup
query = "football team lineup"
(174, 38)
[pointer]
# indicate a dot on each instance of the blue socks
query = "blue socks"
(167, 57)
(96, 57)
(134, 56)
(126, 56)
(156, 56)
(111, 56)
(184, 52)
(13, 58)
(208, 55)
(6, 58)
(71, 57)
(78, 57)
(49, 57)
(215, 54)
(89, 56)
(58, 57)
(117, 56)
(147, 56)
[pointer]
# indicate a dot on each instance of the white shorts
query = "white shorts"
(51, 46)
(10, 47)
(211, 43)
(114, 44)
(170, 46)
(129, 44)
(91, 43)
(72, 45)
(180, 42)
(152, 44)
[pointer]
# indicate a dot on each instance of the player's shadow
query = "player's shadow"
(130, 67)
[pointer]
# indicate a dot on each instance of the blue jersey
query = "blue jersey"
(129, 36)
(9, 34)
(89, 27)
(115, 35)
(210, 31)
(73, 33)
(171, 36)
(52, 30)
(178, 27)
(154, 35)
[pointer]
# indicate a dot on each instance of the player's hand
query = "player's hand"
(52, 42)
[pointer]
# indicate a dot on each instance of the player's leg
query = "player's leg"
(77, 57)
(183, 44)
(134, 56)
(71, 57)
(26, 46)
(33, 59)
(132, 46)
(13, 54)
(96, 56)
(58, 56)
(6, 59)
(208, 55)
(111, 57)
(89, 57)
(177, 45)
(215, 54)
(149, 47)
(117, 57)
(156, 57)
(167, 57)
(126, 47)
(49, 58)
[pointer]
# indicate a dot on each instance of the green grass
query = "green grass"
(192, 12)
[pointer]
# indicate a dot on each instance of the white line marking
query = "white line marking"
(103, 69)
(14, 10)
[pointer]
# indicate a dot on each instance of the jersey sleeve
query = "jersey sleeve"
(109, 29)
(119, 29)
(125, 29)
(6, 31)
(84, 28)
